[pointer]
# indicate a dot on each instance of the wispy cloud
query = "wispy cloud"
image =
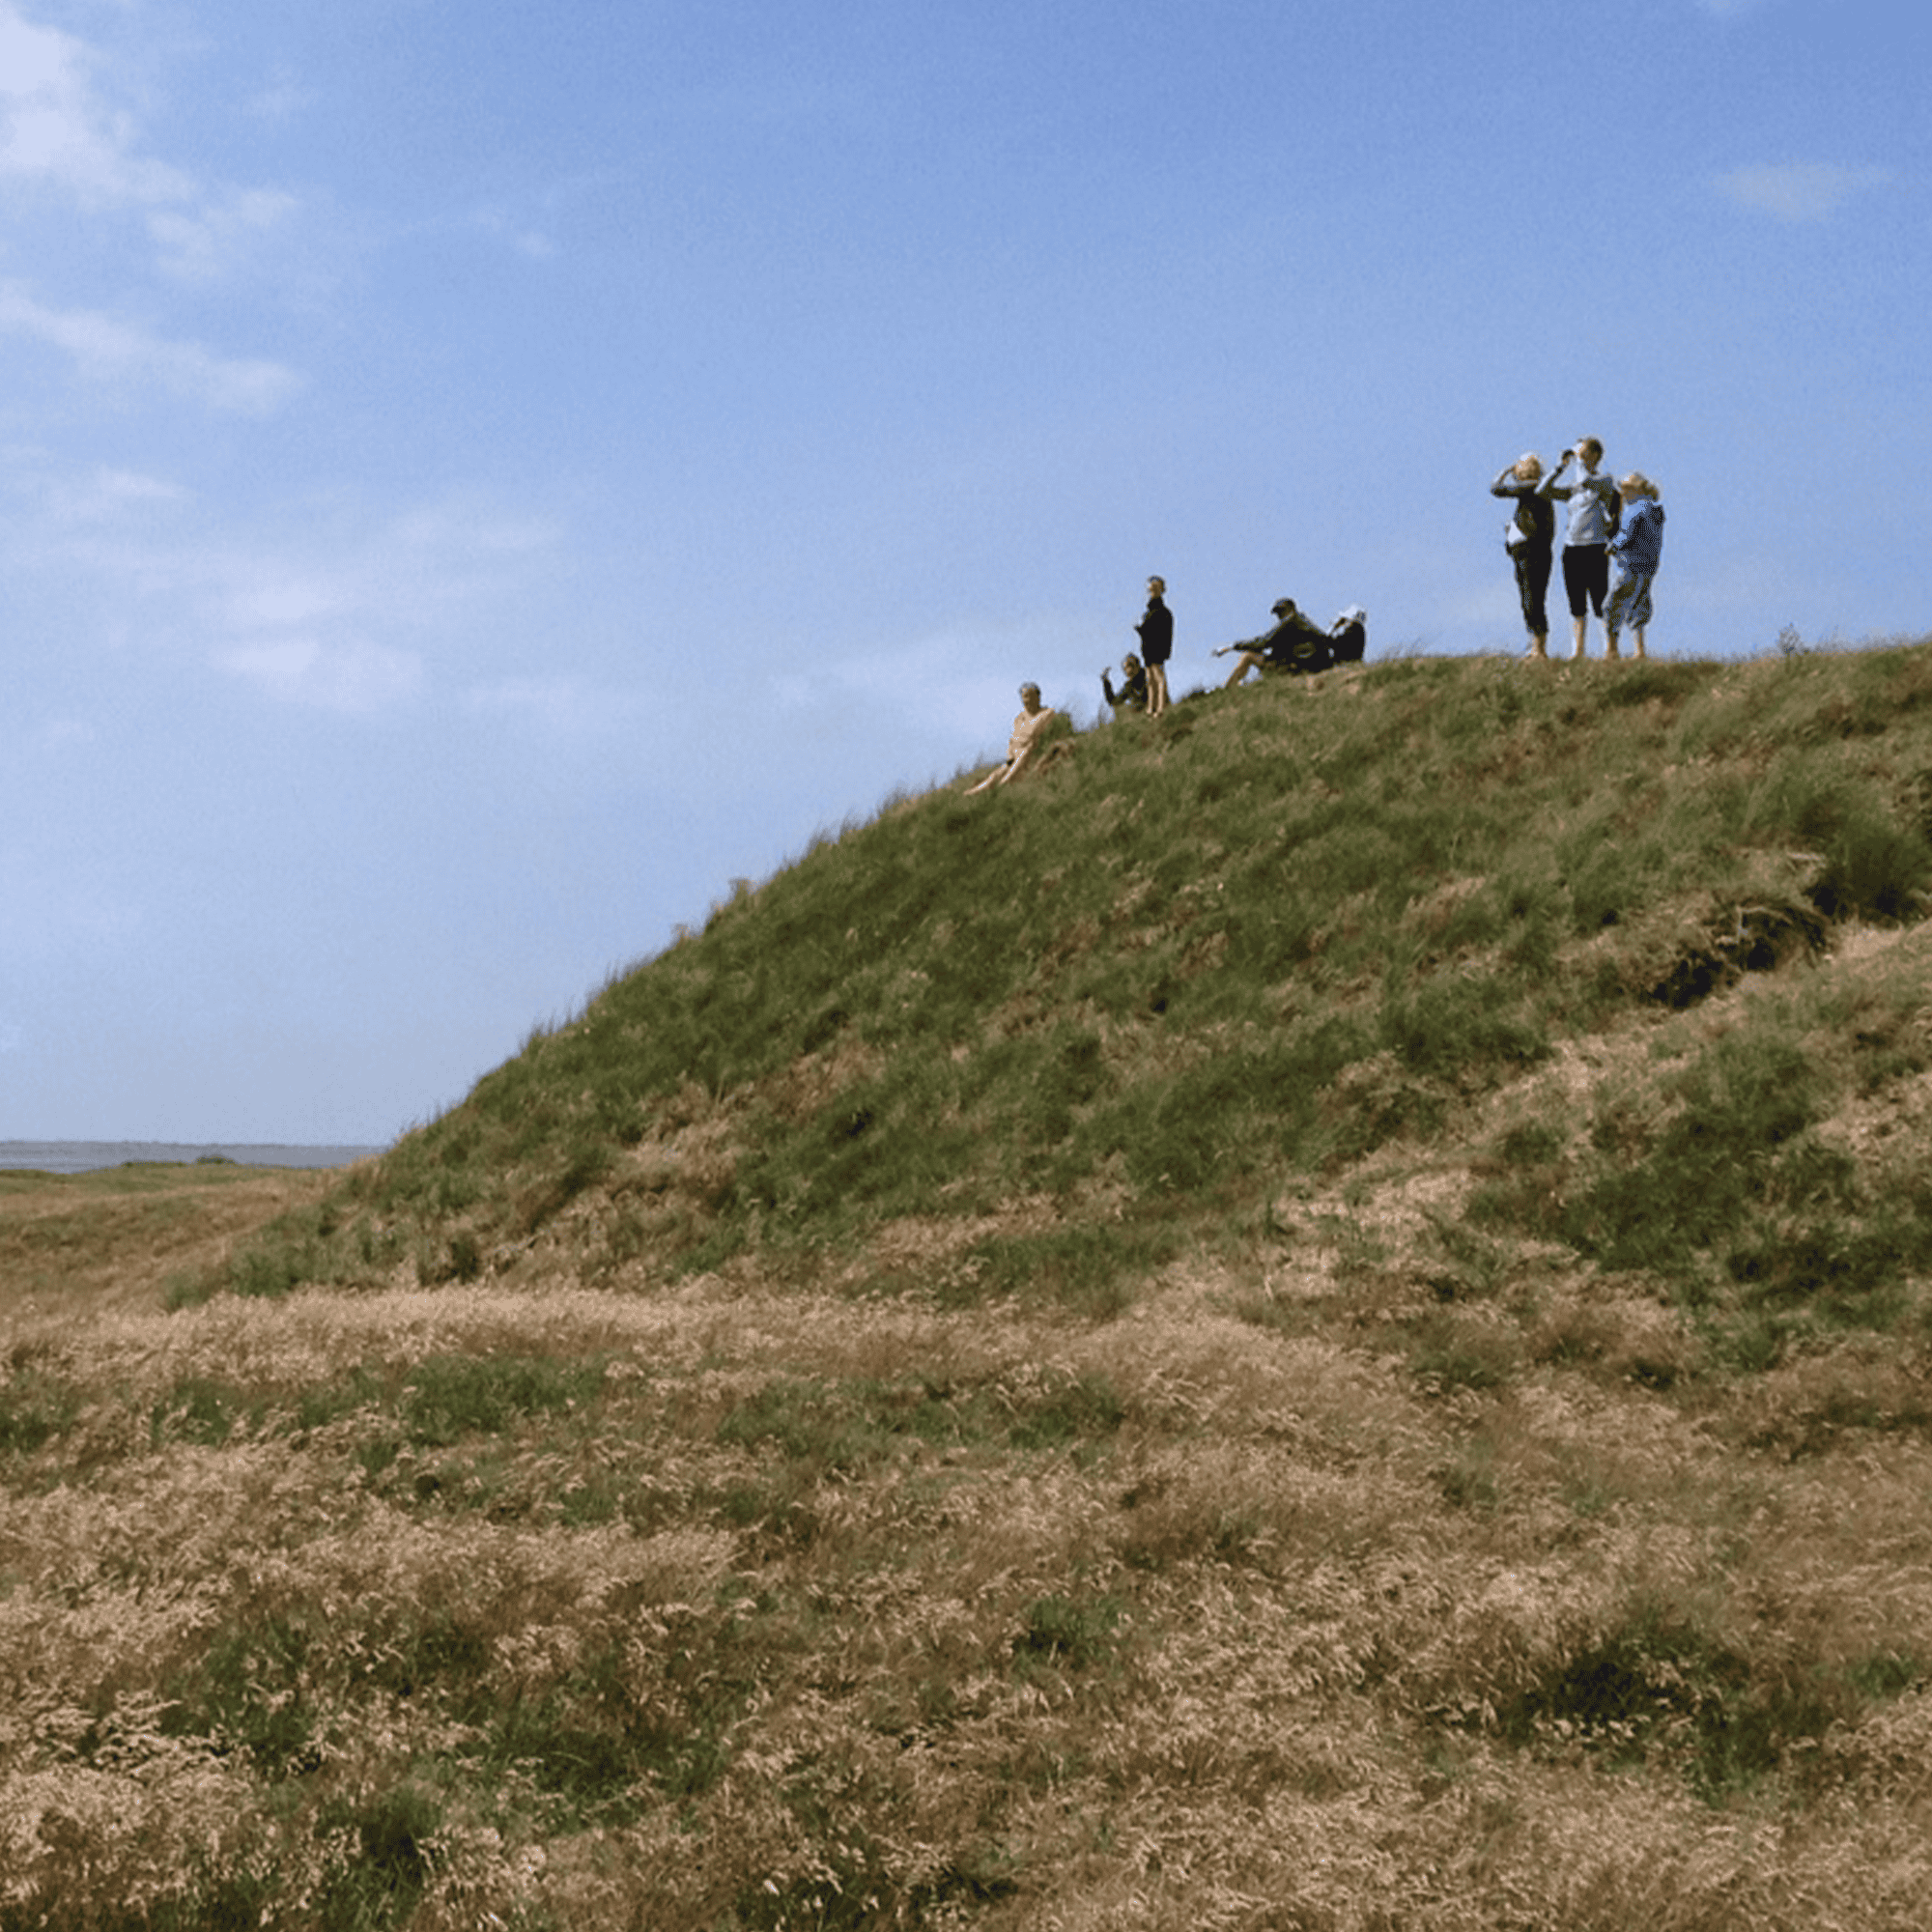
(354, 617)
(108, 350)
(523, 236)
(203, 242)
(564, 706)
(1799, 191)
(280, 101)
(102, 497)
(61, 133)
(59, 733)
(353, 677)
(57, 128)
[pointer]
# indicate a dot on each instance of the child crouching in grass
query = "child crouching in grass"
(1636, 552)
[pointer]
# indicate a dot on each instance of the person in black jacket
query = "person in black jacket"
(1348, 636)
(1156, 631)
(1530, 537)
(1294, 645)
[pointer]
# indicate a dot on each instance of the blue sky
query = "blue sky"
(480, 477)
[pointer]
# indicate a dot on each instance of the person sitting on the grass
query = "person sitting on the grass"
(1132, 695)
(1348, 636)
(1294, 645)
(1029, 728)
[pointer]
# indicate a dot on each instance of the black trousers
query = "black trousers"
(1532, 584)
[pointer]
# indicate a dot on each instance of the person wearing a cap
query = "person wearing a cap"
(1348, 636)
(1132, 695)
(1594, 509)
(1294, 644)
(1029, 728)
(1636, 552)
(1156, 631)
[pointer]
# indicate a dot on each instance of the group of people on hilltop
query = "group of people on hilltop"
(1612, 548)
(1294, 645)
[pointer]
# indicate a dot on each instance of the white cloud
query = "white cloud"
(59, 130)
(278, 601)
(563, 705)
(1799, 191)
(56, 128)
(521, 235)
(280, 101)
(465, 525)
(203, 242)
(105, 496)
(105, 349)
(354, 677)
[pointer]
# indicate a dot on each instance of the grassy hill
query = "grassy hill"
(1317, 1318)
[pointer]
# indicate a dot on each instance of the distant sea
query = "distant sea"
(84, 1157)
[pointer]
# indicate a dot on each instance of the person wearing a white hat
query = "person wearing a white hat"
(1348, 636)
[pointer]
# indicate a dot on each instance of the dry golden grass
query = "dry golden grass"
(114, 1237)
(1265, 1637)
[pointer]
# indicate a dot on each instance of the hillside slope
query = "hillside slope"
(1321, 1316)
(1062, 1028)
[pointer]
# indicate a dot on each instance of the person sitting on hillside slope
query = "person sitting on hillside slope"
(1132, 695)
(1348, 636)
(1294, 645)
(1028, 728)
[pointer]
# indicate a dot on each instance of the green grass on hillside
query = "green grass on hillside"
(1317, 1320)
(1259, 938)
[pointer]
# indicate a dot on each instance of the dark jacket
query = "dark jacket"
(1294, 644)
(1156, 631)
(1535, 513)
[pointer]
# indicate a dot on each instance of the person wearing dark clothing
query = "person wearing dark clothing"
(1530, 538)
(1156, 631)
(1348, 636)
(1132, 695)
(1294, 645)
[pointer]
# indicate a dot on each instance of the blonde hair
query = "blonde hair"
(1528, 466)
(1636, 484)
